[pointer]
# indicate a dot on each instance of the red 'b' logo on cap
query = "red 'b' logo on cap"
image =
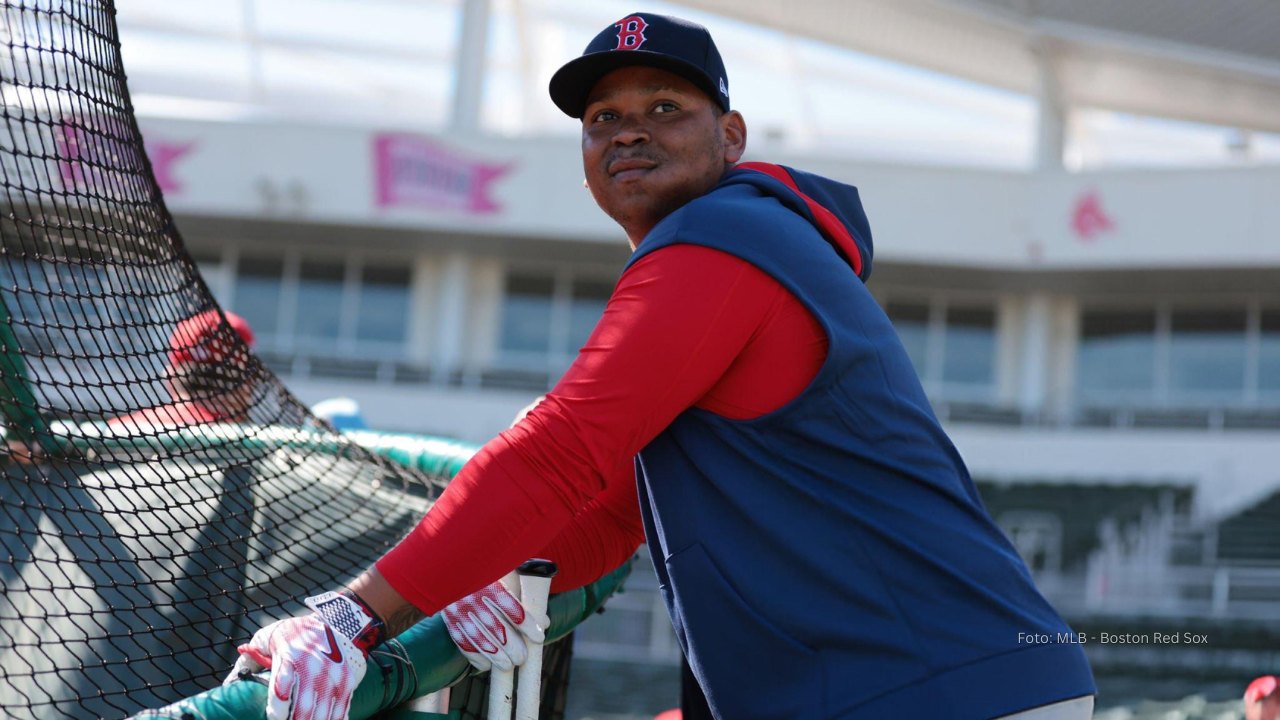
(630, 32)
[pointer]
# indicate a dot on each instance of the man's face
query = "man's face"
(651, 142)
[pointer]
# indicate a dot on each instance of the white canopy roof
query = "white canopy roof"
(1212, 61)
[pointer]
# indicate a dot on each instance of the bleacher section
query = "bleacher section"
(1080, 509)
(1251, 536)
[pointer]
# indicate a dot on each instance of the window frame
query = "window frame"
(559, 354)
(932, 375)
(347, 344)
(1164, 395)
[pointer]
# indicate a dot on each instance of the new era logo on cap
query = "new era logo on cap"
(667, 43)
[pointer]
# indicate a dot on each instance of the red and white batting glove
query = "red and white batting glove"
(486, 626)
(316, 660)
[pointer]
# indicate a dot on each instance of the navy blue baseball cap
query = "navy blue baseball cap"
(660, 41)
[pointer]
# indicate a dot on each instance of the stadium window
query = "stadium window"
(258, 292)
(319, 304)
(548, 316)
(951, 345)
(526, 315)
(383, 304)
(213, 269)
(969, 353)
(588, 300)
(911, 320)
(1269, 357)
(1117, 355)
(325, 308)
(1207, 354)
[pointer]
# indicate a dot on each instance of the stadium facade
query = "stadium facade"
(1103, 343)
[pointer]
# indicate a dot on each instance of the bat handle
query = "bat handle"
(502, 682)
(535, 587)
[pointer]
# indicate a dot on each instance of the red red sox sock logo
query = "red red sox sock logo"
(631, 32)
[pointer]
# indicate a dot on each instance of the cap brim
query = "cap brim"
(571, 83)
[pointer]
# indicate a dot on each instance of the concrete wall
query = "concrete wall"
(533, 187)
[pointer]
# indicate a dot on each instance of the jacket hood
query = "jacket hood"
(832, 207)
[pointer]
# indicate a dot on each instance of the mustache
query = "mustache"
(644, 155)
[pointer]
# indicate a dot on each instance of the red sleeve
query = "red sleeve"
(600, 537)
(675, 323)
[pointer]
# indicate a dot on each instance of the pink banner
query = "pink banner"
(100, 157)
(164, 159)
(414, 171)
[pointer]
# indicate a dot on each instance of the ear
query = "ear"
(734, 128)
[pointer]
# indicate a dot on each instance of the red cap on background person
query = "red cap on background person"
(197, 340)
(1261, 699)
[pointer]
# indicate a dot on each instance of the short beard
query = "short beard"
(660, 206)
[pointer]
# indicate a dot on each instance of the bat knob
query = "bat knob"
(538, 567)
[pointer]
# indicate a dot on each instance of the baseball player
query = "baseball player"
(206, 375)
(746, 407)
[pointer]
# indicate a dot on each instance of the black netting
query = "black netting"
(133, 557)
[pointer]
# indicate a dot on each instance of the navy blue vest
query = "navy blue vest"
(833, 559)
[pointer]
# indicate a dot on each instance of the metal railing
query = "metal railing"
(1249, 592)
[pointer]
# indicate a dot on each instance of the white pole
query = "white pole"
(535, 586)
(1054, 113)
(502, 682)
(469, 66)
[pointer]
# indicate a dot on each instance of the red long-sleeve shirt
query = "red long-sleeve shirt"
(686, 326)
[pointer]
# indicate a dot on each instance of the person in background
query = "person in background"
(207, 375)
(1262, 699)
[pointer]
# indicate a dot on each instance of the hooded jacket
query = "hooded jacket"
(832, 559)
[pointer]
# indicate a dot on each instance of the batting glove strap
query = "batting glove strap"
(351, 617)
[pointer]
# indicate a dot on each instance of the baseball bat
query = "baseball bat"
(502, 682)
(535, 587)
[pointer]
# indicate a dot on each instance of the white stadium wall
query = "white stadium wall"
(533, 188)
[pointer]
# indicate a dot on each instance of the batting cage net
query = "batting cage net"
(163, 493)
